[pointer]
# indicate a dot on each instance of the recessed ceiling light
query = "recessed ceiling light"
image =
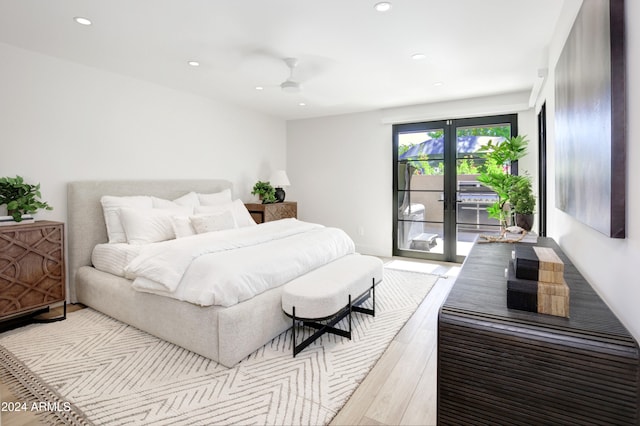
(259, 88)
(438, 84)
(383, 6)
(302, 104)
(418, 56)
(82, 21)
(194, 63)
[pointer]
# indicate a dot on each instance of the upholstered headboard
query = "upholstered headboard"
(85, 219)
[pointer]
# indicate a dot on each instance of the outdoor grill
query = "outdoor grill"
(473, 199)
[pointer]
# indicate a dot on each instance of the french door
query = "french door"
(439, 206)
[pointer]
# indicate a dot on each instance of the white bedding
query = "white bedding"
(114, 257)
(228, 267)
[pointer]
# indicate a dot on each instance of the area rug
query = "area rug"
(92, 369)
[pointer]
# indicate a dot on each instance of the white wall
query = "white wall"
(61, 121)
(340, 172)
(340, 167)
(610, 265)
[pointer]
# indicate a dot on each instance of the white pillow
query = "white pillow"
(111, 206)
(188, 200)
(240, 213)
(213, 222)
(216, 198)
(144, 226)
(182, 226)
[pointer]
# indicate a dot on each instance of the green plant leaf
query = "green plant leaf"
(20, 197)
(265, 191)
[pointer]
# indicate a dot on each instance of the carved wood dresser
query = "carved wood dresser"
(274, 211)
(32, 268)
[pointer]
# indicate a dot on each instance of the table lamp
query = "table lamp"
(279, 179)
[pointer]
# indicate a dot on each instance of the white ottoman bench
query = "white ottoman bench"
(331, 293)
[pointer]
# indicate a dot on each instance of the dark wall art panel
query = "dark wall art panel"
(590, 119)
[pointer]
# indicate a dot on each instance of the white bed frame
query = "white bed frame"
(225, 335)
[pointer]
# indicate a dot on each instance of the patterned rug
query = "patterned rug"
(91, 369)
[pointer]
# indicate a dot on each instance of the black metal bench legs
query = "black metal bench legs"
(329, 326)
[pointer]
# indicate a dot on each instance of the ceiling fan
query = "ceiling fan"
(301, 72)
(290, 85)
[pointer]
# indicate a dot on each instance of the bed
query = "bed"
(226, 334)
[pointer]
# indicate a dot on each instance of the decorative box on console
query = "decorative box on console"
(538, 264)
(537, 296)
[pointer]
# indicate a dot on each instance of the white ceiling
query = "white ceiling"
(351, 57)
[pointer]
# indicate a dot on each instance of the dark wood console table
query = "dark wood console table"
(504, 366)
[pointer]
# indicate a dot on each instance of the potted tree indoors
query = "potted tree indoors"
(21, 198)
(523, 202)
(495, 176)
(265, 191)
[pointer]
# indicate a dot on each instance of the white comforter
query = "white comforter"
(228, 267)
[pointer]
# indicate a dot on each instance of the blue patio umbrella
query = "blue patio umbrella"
(433, 149)
(435, 146)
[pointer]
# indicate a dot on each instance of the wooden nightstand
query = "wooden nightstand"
(32, 269)
(275, 211)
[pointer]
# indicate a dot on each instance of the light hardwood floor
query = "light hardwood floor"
(401, 387)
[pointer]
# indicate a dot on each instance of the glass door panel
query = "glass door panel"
(420, 192)
(473, 198)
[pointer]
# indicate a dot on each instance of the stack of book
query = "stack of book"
(535, 281)
(8, 220)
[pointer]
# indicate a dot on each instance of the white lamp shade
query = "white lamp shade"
(279, 179)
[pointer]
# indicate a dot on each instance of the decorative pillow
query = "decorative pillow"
(182, 226)
(111, 206)
(188, 200)
(216, 198)
(213, 222)
(144, 226)
(240, 213)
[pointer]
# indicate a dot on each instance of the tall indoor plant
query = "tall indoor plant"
(495, 173)
(20, 197)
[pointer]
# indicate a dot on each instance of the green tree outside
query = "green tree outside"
(470, 164)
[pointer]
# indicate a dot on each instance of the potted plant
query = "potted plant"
(494, 174)
(265, 191)
(21, 198)
(523, 202)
